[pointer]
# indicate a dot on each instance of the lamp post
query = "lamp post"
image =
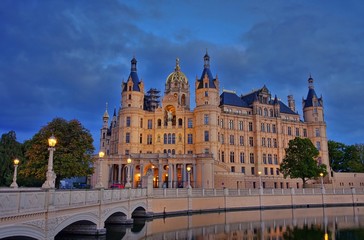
(14, 184)
(51, 176)
(128, 185)
(322, 183)
(260, 182)
(99, 178)
(188, 177)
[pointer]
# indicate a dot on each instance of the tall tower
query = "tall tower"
(313, 115)
(206, 116)
(131, 113)
(104, 136)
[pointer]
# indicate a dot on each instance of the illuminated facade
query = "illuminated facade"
(227, 140)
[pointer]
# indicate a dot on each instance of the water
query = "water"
(341, 223)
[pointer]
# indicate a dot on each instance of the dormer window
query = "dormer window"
(206, 85)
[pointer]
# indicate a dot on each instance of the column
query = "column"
(110, 173)
(141, 174)
(132, 175)
(175, 175)
(194, 176)
(170, 175)
(183, 172)
(160, 170)
(119, 174)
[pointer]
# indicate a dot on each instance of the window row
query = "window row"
(232, 157)
(159, 123)
(169, 138)
(271, 160)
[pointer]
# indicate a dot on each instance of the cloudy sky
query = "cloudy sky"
(68, 58)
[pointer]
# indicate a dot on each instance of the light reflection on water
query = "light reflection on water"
(308, 223)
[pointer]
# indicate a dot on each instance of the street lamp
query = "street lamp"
(51, 176)
(16, 162)
(99, 179)
(128, 185)
(188, 176)
(260, 182)
(322, 182)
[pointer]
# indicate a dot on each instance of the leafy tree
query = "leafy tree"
(9, 150)
(346, 158)
(73, 155)
(336, 156)
(300, 160)
(352, 159)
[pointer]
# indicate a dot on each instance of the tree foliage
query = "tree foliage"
(10, 149)
(346, 158)
(73, 155)
(300, 160)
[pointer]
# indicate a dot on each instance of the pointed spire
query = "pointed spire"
(206, 59)
(106, 114)
(114, 111)
(310, 82)
(133, 64)
(178, 68)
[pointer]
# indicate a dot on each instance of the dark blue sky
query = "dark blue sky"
(68, 58)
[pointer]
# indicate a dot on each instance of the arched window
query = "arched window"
(265, 112)
(169, 138)
(180, 122)
(159, 122)
(173, 138)
(260, 111)
(165, 138)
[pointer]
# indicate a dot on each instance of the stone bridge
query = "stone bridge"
(41, 214)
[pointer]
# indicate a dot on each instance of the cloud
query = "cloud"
(67, 59)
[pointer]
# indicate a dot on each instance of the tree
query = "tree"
(346, 158)
(9, 150)
(300, 161)
(336, 156)
(73, 155)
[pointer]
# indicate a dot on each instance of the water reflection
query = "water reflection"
(311, 223)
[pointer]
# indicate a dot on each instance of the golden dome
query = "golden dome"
(177, 76)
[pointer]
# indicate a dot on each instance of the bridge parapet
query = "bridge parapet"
(21, 201)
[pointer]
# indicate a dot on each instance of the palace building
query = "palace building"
(228, 140)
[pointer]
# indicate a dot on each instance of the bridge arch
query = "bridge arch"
(138, 205)
(22, 230)
(90, 217)
(115, 210)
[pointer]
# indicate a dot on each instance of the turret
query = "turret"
(104, 132)
(132, 93)
(312, 105)
(207, 87)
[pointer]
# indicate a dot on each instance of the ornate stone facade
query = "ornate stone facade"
(227, 140)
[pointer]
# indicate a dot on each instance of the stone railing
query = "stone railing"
(15, 202)
(22, 201)
(183, 192)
